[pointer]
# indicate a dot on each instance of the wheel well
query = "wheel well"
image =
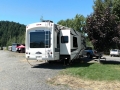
(88, 53)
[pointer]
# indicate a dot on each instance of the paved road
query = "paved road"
(106, 59)
(17, 74)
(109, 58)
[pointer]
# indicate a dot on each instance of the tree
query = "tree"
(116, 8)
(11, 32)
(103, 29)
(76, 23)
(102, 4)
(98, 4)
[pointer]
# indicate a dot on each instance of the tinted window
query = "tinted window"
(40, 39)
(88, 48)
(114, 50)
(15, 44)
(64, 39)
(58, 41)
(75, 42)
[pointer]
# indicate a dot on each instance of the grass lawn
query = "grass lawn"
(90, 76)
(94, 71)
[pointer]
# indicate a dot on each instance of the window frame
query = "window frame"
(75, 42)
(63, 39)
(38, 45)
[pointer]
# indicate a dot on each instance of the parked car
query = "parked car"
(20, 48)
(114, 52)
(90, 53)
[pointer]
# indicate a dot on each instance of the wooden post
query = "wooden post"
(99, 58)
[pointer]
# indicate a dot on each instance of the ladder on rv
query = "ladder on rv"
(47, 38)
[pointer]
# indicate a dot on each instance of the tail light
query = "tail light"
(95, 52)
(51, 52)
(27, 53)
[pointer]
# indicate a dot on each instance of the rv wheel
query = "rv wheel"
(67, 61)
(48, 61)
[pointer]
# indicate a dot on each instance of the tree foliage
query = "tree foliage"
(102, 27)
(76, 23)
(11, 32)
(116, 8)
(102, 4)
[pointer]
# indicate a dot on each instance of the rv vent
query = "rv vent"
(47, 21)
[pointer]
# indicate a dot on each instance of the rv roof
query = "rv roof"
(47, 21)
(39, 24)
(62, 27)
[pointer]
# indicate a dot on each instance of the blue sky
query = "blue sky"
(30, 11)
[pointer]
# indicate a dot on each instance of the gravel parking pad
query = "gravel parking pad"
(17, 74)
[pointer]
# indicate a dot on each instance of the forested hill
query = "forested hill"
(11, 32)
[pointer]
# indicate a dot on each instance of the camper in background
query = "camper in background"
(14, 46)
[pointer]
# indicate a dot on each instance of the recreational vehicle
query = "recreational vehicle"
(49, 41)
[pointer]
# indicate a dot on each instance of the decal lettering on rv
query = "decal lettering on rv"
(39, 30)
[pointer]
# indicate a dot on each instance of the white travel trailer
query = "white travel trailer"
(49, 41)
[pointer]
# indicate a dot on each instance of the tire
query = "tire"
(49, 62)
(21, 51)
(89, 56)
(66, 61)
(98, 57)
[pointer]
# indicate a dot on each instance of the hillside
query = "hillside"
(11, 32)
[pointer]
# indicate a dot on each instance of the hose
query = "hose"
(29, 63)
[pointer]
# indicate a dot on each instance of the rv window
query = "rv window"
(40, 39)
(75, 42)
(88, 48)
(64, 39)
(58, 42)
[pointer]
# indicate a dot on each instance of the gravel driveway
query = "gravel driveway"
(17, 74)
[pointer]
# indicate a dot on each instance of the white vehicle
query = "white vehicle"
(114, 52)
(48, 41)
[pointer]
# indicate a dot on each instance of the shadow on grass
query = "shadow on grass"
(51, 65)
(110, 62)
(83, 62)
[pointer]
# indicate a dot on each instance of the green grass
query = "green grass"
(94, 71)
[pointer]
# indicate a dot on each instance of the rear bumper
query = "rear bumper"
(115, 54)
(62, 57)
(97, 55)
(39, 58)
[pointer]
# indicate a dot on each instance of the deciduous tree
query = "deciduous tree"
(76, 23)
(103, 29)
